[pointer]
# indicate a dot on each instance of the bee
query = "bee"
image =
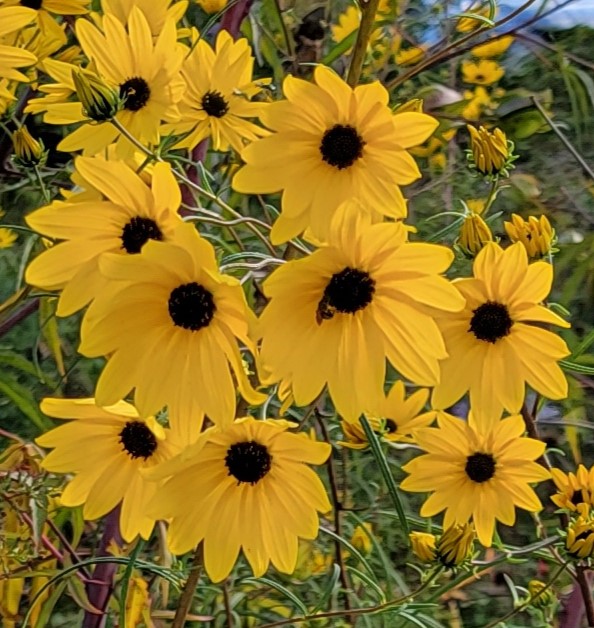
(325, 310)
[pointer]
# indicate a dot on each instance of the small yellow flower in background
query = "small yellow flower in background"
(311, 560)
(467, 24)
(212, 6)
(360, 539)
(491, 153)
(474, 234)
(423, 546)
(479, 100)
(475, 470)
(541, 595)
(536, 234)
(415, 104)
(252, 489)
(573, 489)
(28, 151)
(579, 542)
(484, 72)
(456, 545)
(409, 56)
(476, 205)
(7, 237)
(100, 101)
(492, 48)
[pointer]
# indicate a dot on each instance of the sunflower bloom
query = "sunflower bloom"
(573, 489)
(252, 489)
(131, 214)
(351, 304)
(479, 474)
(170, 322)
(494, 348)
(216, 102)
(579, 542)
(331, 143)
(146, 72)
(105, 448)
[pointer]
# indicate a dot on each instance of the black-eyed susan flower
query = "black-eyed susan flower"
(483, 72)
(252, 489)
(455, 545)
(105, 449)
(131, 214)
(491, 153)
(146, 72)
(170, 323)
(216, 101)
(573, 489)
(423, 546)
(536, 234)
(331, 143)
(579, 535)
(157, 12)
(335, 316)
(494, 346)
(479, 472)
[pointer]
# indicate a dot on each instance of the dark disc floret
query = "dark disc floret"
(135, 92)
(248, 461)
(480, 467)
(137, 440)
(31, 4)
(390, 426)
(347, 292)
(341, 146)
(137, 232)
(191, 306)
(214, 104)
(491, 322)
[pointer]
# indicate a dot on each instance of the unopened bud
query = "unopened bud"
(28, 151)
(100, 101)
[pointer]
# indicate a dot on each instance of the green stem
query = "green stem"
(126, 581)
(185, 600)
(368, 10)
(44, 191)
(492, 196)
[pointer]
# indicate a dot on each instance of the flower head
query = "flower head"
(360, 539)
(7, 237)
(252, 489)
(423, 546)
(475, 472)
(484, 72)
(474, 234)
(541, 595)
(579, 540)
(493, 48)
(105, 448)
(455, 545)
(351, 304)
(100, 101)
(28, 151)
(536, 234)
(330, 143)
(491, 153)
(573, 489)
(498, 338)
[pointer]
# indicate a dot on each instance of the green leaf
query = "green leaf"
(22, 399)
(50, 333)
(576, 368)
(282, 590)
(340, 48)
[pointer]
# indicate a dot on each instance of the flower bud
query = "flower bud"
(490, 153)
(423, 546)
(474, 234)
(540, 596)
(28, 151)
(100, 101)
(536, 234)
(360, 539)
(455, 545)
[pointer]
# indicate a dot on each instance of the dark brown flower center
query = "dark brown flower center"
(138, 232)
(347, 292)
(31, 4)
(480, 467)
(135, 92)
(341, 146)
(137, 439)
(490, 322)
(390, 426)
(191, 306)
(248, 461)
(215, 104)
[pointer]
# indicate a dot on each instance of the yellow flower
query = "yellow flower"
(491, 153)
(455, 545)
(536, 234)
(579, 542)
(100, 101)
(105, 448)
(360, 538)
(494, 339)
(484, 72)
(475, 472)
(474, 234)
(311, 560)
(467, 24)
(334, 317)
(541, 595)
(216, 102)
(476, 205)
(423, 546)
(157, 12)
(131, 214)
(28, 151)
(354, 434)
(478, 101)
(251, 489)
(493, 48)
(573, 489)
(409, 56)
(332, 143)
(146, 72)
(170, 322)
(7, 237)
(212, 6)
(11, 58)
